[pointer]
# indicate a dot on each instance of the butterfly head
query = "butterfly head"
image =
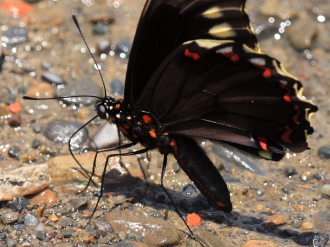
(105, 107)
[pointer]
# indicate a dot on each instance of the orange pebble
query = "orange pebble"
(16, 8)
(16, 107)
(194, 220)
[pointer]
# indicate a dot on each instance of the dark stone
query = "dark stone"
(14, 152)
(36, 143)
(37, 129)
(103, 46)
(324, 152)
(53, 79)
(290, 171)
(60, 132)
(15, 35)
(123, 49)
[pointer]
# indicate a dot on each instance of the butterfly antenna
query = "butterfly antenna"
(90, 52)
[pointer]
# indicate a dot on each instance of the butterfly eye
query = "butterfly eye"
(101, 111)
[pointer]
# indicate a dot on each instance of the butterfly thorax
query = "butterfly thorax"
(141, 127)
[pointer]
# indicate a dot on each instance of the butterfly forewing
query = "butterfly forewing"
(166, 24)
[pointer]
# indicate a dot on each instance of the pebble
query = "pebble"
(307, 175)
(324, 152)
(325, 191)
(28, 158)
(36, 143)
(16, 8)
(31, 220)
(15, 120)
(9, 218)
(53, 79)
(117, 87)
(19, 203)
(14, 152)
(82, 87)
(25, 180)
(154, 231)
(259, 243)
(277, 219)
(101, 29)
(302, 32)
(123, 49)
(15, 35)
(37, 129)
(290, 171)
(46, 196)
(106, 137)
(103, 47)
(60, 131)
(307, 225)
(235, 157)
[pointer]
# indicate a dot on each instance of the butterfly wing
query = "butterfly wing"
(166, 24)
(225, 91)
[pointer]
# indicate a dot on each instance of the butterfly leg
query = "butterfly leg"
(172, 201)
(105, 167)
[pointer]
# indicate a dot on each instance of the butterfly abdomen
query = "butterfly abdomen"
(200, 169)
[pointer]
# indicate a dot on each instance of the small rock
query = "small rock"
(36, 143)
(290, 171)
(324, 152)
(101, 29)
(259, 243)
(123, 49)
(307, 175)
(103, 46)
(307, 225)
(16, 8)
(106, 137)
(15, 35)
(31, 220)
(60, 131)
(53, 79)
(15, 120)
(46, 196)
(154, 231)
(25, 180)
(277, 219)
(28, 158)
(325, 191)
(14, 152)
(9, 218)
(37, 129)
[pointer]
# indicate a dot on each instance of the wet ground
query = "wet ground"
(275, 204)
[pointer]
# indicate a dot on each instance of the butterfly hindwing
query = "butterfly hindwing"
(225, 91)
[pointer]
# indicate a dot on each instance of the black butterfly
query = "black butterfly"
(196, 70)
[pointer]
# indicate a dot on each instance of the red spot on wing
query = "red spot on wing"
(147, 119)
(287, 96)
(296, 116)
(221, 204)
(193, 55)
(267, 73)
(286, 135)
(194, 220)
(232, 55)
(263, 143)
